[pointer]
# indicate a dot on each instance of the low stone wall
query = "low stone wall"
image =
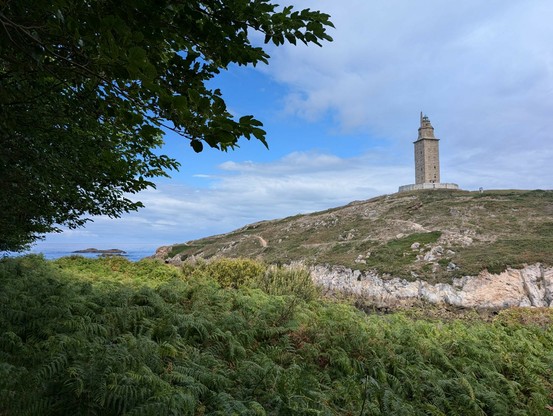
(419, 186)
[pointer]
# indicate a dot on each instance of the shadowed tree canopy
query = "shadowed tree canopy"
(88, 87)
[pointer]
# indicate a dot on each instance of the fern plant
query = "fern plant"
(99, 338)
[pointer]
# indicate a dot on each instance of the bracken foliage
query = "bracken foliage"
(228, 272)
(99, 337)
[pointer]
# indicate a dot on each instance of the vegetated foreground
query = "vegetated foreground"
(434, 235)
(110, 337)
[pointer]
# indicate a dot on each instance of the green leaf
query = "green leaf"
(197, 145)
(291, 38)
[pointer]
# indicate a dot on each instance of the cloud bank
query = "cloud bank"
(243, 193)
(482, 71)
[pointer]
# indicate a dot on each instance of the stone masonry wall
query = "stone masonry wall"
(419, 186)
(427, 161)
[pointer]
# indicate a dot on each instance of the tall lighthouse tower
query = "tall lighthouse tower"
(427, 154)
(427, 160)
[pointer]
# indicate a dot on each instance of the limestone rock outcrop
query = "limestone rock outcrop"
(530, 286)
(163, 252)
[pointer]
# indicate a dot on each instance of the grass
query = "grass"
(187, 250)
(499, 255)
(395, 256)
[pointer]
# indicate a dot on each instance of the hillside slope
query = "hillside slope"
(434, 235)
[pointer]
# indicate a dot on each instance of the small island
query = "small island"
(110, 252)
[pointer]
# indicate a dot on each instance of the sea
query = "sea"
(52, 253)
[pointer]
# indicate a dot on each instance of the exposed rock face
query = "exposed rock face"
(531, 286)
(162, 253)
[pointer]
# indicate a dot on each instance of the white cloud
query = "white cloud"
(299, 182)
(248, 192)
(483, 71)
(295, 162)
(77, 233)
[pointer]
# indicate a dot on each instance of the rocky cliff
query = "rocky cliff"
(529, 286)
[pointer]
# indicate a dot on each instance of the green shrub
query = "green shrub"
(229, 272)
(294, 280)
(146, 271)
(288, 280)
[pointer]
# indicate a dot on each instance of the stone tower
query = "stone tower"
(427, 154)
(427, 161)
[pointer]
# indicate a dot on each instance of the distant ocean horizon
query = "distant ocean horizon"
(132, 255)
(56, 252)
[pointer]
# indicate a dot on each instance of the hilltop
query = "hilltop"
(432, 235)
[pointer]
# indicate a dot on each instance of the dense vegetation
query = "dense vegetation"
(89, 88)
(491, 230)
(110, 337)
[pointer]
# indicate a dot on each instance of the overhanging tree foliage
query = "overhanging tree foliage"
(87, 87)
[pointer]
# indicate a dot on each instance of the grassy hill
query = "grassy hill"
(433, 235)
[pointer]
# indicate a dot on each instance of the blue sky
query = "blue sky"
(341, 119)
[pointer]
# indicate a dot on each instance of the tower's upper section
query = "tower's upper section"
(426, 131)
